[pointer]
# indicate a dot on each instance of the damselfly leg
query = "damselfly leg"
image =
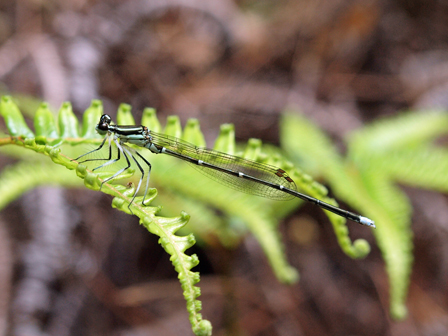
(126, 152)
(95, 150)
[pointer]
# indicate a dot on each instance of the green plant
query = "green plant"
(59, 141)
(387, 152)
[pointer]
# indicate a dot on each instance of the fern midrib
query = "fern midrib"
(170, 237)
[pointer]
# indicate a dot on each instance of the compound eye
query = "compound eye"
(104, 123)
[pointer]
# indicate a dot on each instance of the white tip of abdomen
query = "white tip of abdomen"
(366, 221)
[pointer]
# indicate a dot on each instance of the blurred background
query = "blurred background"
(341, 63)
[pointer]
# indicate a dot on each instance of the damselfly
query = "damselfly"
(235, 172)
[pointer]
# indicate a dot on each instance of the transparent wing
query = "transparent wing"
(258, 170)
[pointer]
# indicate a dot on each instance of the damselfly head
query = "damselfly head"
(103, 125)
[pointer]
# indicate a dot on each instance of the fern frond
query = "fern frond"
(392, 150)
(423, 167)
(400, 150)
(165, 228)
(392, 211)
(22, 177)
(408, 130)
(365, 191)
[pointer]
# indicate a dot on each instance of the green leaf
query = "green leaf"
(19, 178)
(90, 119)
(68, 124)
(124, 115)
(149, 119)
(407, 130)
(173, 127)
(226, 140)
(13, 118)
(44, 124)
(193, 134)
